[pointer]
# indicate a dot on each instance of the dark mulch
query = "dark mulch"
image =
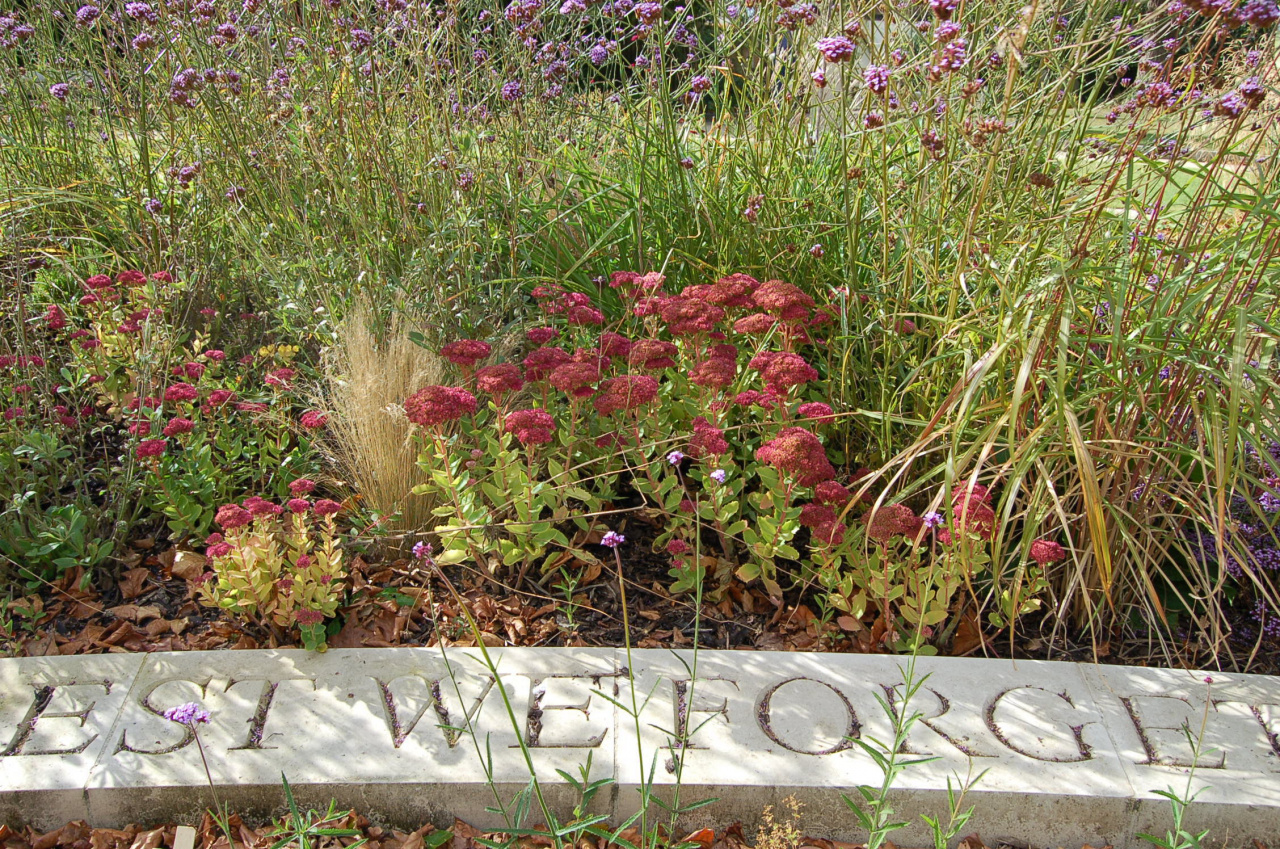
(399, 602)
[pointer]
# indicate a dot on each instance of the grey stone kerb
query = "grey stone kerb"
(1068, 754)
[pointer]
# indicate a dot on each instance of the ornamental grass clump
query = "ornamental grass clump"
(277, 565)
(368, 374)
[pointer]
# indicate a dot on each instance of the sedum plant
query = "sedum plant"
(278, 565)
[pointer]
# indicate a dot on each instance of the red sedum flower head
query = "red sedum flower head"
(623, 279)
(542, 361)
(653, 354)
(974, 517)
(259, 506)
(817, 411)
(783, 300)
(465, 353)
(231, 516)
(531, 427)
(708, 440)
(892, 520)
(280, 378)
(151, 448)
(830, 492)
(542, 335)
(813, 515)
(782, 371)
(219, 397)
(436, 405)
(313, 420)
(326, 507)
(756, 324)
(181, 392)
(1046, 551)
(614, 345)
(178, 425)
(577, 380)
(690, 316)
(500, 379)
(715, 373)
(733, 291)
(968, 493)
(626, 392)
(302, 485)
(131, 278)
(584, 316)
(797, 452)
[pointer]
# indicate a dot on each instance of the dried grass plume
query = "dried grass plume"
(369, 374)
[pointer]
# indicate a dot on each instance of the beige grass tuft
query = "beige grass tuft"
(369, 376)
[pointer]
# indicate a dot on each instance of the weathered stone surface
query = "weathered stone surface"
(1061, 753)
(1158, 717)
(56, 716)
(1031, 730)
(385, 723)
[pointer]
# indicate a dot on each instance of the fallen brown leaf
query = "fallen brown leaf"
(131, 584)
(464, 836)
(850, 624)
(40, 647)
(968, 635)
(704, 837)
(188, 565)
(135, 613)
(68, 835)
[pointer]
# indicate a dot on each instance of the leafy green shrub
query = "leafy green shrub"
(702, 406)
(283, 570)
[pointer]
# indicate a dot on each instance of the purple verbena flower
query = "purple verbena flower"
(835, 48)
(189, 714)
(612, 539)
(876, 78)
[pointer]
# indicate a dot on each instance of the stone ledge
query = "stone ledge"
(1069, 754)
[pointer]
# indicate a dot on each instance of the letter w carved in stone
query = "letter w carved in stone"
(415, 695)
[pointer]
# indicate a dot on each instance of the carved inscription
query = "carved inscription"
(1157, 741)
(542, 710)
(687, 723)
(428, 694)
(963, 744)
(1029, 726)
(772, 725)
(766, 715)
(56, 702)
(177, 736)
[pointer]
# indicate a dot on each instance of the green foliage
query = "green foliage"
(1044, 273)
(286, 571)
(305, 830)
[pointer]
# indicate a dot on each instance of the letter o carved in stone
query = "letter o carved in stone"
(770, 726)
